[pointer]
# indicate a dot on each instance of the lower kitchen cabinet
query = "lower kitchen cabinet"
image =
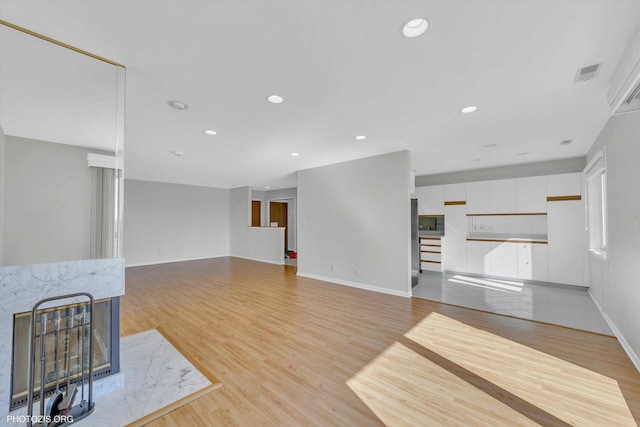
(533, 261)
(430, 254)
(504, 259)
(508, 259)
(478, 257)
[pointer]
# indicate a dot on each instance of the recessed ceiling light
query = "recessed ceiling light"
(566, 142)
(477, 160)
(177, 153)
(470, 109)
(210, 132)
(295, 154)
(178, 105)
(415, 28)
(490, 145)
(275, 99)
(267, 187)
(361, 137)
(522, 154)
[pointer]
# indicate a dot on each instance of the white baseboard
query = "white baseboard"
(258, 259)
(356, 285)
(623, 342)
(142, 264)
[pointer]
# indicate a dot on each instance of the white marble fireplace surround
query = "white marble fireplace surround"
(21, 287)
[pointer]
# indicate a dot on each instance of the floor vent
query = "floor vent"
(587, 73)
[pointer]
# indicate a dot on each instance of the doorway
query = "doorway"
(278, 214)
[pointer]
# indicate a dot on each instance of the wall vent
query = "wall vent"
(587, 73)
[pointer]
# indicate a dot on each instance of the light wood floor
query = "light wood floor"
(296, 351)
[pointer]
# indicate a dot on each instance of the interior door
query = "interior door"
(278, 213)
(255, 213)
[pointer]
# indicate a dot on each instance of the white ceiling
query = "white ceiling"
(344, 69)
(54, 94)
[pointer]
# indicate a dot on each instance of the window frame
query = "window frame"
(596, 170)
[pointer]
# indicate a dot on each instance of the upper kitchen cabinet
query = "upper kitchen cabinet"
(455, 192)
(521, 195)
(430, 200)
(531, 194)
(479, 197)
(566, 184)
(503, 196)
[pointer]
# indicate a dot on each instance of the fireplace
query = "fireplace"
(105, 321)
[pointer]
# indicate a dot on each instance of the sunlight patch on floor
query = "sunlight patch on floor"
(569, 392)
(495, 284)
(402, 387)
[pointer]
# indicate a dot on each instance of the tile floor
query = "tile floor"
(560, 305)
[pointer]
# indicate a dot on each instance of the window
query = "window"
(596, 190)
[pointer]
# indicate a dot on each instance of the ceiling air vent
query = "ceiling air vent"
(631, 103)
(587, 73)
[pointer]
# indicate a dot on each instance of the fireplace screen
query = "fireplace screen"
(64, 347)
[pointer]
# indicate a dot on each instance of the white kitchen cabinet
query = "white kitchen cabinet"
(478, 257)
(431, 253)
(565, 230)
(531, 194)
(566, 184)
(430, 200)
(533, 261)
(504, 259)
(503, 196)
(455, 192)
(454, 242)
(479, 197)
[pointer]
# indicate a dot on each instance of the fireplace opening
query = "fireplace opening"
(106, 355)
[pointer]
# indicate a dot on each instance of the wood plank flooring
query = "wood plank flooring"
(296, 351)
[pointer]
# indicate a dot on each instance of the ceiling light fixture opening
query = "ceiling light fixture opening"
(361, 137)
(178, 105)
(566, 142)
(210, 132)
(275, 99)
(177, 153)
(415, 28)
(295, 154)
(490, 145)
(267, 187)
(522, 154)
(470, 109)
(477, 160)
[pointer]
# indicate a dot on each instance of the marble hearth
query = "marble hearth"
(21, 287)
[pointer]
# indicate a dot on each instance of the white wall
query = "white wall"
(173, 222)
(256, 243)
(239, 220)
(552, 167)
(354, 223)
(616, 285)
(47, 202)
